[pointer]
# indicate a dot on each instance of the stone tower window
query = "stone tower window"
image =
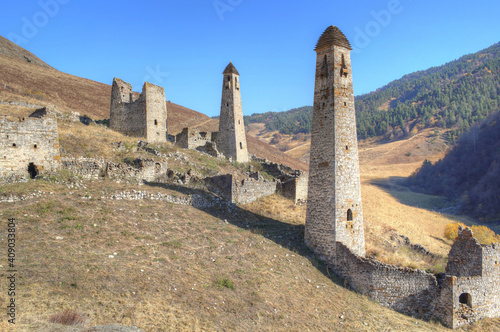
(156, 122)
(343, 68)
(349, 215)
(14, 145)
(324, 68)
(465, 298)
(35, 146)
(241, 146)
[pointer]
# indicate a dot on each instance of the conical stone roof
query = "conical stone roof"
(332, 36)
(230, 69)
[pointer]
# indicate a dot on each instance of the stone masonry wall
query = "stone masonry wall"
(405, 290)
(453, 300)
(190, 138)
(465, 258)
(145, 117)
(30, 140)
(293, 183)
(93, 169)
(240, 190)
(295, 188)
(474, 280)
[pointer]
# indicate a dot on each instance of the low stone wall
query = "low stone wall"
(405, 290)
(93, 169)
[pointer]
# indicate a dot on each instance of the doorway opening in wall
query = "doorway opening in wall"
(32, 170)
(465, 298)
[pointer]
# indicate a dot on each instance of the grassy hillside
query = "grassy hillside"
(13, 51)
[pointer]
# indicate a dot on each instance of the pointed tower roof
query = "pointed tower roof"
(332, 36)
(230, 69)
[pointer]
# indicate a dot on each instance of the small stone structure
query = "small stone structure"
(240, 190)
(145, 116)
(194, 139)
(29, 147)
(295, 188)
(231, 140)
(334, 213)
(470, 288)
(292, 183)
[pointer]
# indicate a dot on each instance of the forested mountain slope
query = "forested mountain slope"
(470, 172)
(453, 96)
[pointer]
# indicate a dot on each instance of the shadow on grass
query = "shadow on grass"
(395, 186)
(287, 235)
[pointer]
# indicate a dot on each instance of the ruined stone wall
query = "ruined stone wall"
(231, 141)
(94, 169)
(145, 117)
(293, 183)
(240, 190)
(190, 138)
(295, 188)
(405, 290)
(465, 257)
(30, 140)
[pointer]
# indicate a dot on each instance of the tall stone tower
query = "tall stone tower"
(334, 212)
(231, 139)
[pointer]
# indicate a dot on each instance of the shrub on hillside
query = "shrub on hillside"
(482, 233)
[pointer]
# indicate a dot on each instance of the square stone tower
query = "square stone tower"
(145, 117)
(231, 140)
(334, 212)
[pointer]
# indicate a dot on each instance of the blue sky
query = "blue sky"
(184, 45)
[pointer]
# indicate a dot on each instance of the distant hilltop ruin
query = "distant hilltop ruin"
(145, 116)
(334, 230)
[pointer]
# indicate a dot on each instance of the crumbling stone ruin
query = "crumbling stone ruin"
(292, 183)
(241, 190)
(231, 140)
(145, 116)
(194, 139)
(469, 289)
(29, 147)
(94, 169)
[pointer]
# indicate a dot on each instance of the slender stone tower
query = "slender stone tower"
(334, 212)
(231, 139)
